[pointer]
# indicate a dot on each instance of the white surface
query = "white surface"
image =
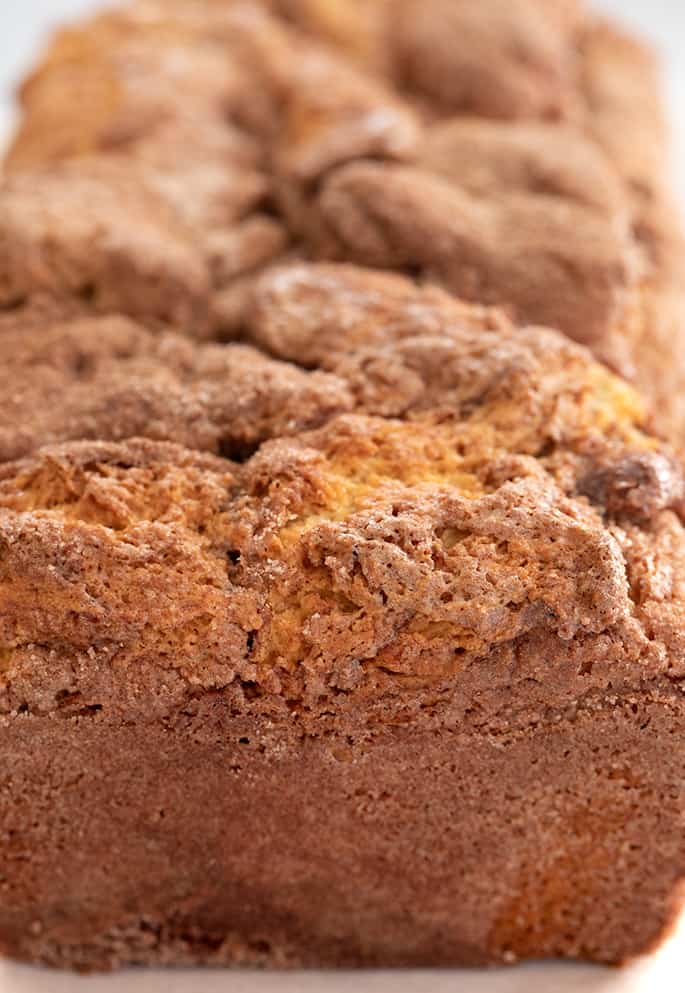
(663, 974)
(24, 25)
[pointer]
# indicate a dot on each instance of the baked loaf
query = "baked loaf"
(342, 610)
(514, 154)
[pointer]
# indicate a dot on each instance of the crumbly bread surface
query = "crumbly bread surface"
(523, 166)
(306, 520)
(438, 446)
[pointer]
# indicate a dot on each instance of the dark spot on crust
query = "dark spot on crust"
(636, 486)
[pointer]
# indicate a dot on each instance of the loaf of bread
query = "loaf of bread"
(342, 604)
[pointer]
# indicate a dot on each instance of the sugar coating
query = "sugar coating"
(342, 578)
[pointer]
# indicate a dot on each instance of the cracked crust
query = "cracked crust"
(398, 545)
(508, 179)
(552, 263)
(464, 448)
(110, 379)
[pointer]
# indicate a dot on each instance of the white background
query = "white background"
(24, 25)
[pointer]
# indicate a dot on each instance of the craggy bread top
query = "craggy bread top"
(437, 489)
(512, 153)
(390, 487)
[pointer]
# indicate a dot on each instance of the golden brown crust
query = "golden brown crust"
(550, 261)
(110, 379)
(504, 60)
(396, 529)
(135, 74)
(428, 406)
(126, 252)
(476, 449)
(495, 158)
(551, 204)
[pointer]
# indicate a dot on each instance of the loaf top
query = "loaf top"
(239, 454)
(513, 153)
(438, 488)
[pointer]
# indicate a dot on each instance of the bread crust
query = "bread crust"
(341, 602)
(530, 167)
